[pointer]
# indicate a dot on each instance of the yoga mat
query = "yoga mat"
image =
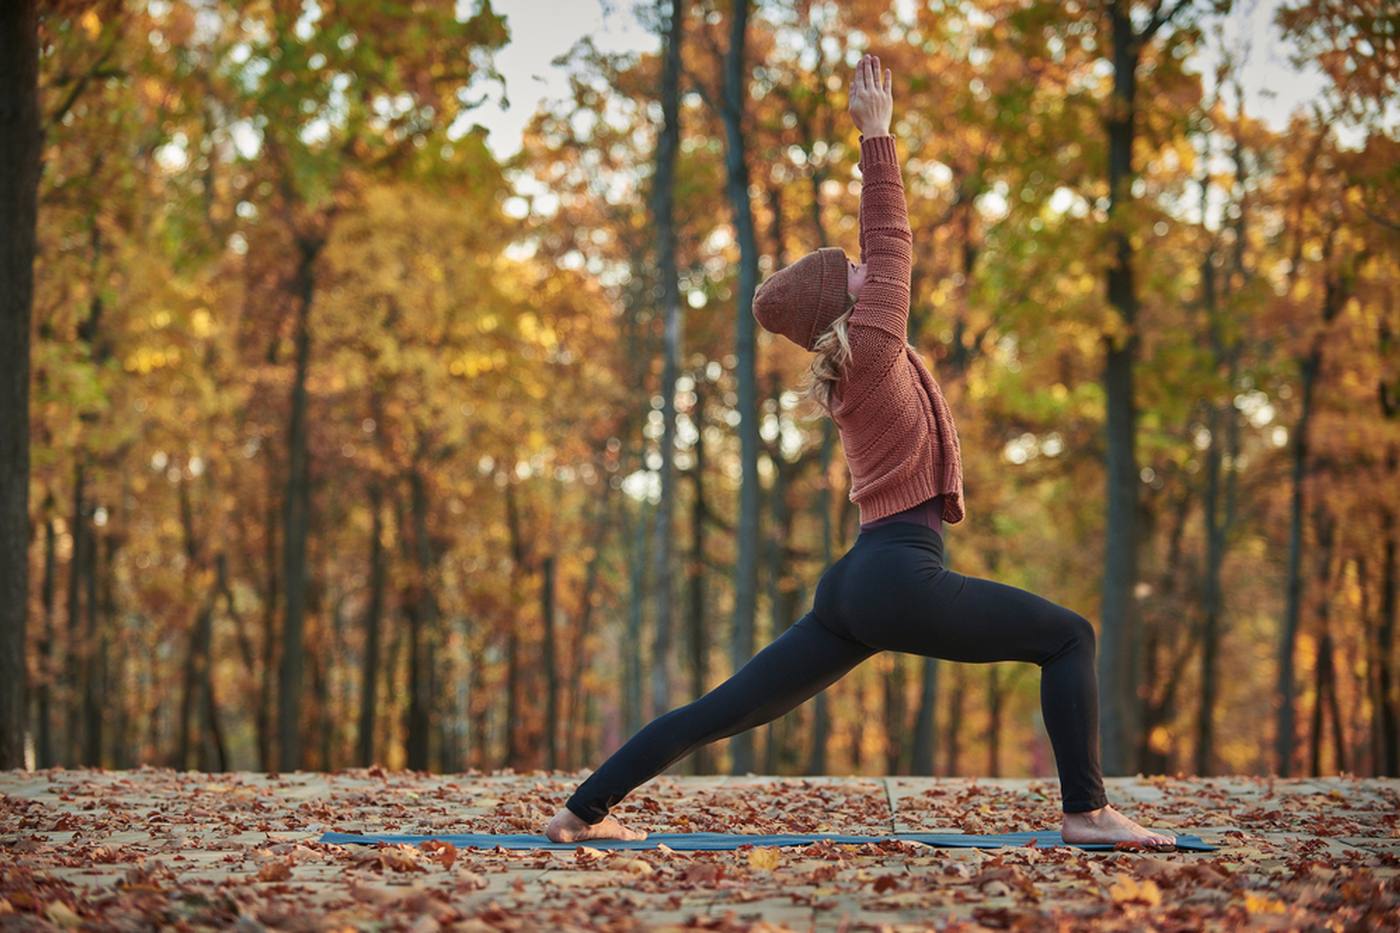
(723, 841)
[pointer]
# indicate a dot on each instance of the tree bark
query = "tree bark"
(369, 668)
(994, 704)
(1334, 297)
(668, 147)
(737, 187)
(1388, 395)
(21, 139)
(631, 652)
(551, 664)
(925, 727)
(271, 595)
(703, 759)
(44, 752)
(295, 521)
(578, 660)
(1218, 525)
(896, 713)
(94, 662)
(1117, 648)
(422, 628)
(952, 743)
(73, 647)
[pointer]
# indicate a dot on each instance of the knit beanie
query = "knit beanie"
(801, 300)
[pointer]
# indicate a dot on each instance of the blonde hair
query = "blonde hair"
(832, 351)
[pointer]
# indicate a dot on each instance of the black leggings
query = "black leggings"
(890, 591)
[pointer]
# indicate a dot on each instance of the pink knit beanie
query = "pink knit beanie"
(801, 300)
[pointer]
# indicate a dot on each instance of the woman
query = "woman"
(890, 591)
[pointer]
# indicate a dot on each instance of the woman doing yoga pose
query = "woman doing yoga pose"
(890, 591)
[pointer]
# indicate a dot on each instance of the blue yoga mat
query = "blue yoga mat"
(722, 841)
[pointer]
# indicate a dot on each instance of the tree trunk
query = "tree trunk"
(953, 741)
(703, 759)
(44, 731)
(896, 711)
(631, 651)
(1310, 368)
(73, 654)
(821, 714)
(737, 187)
(668, 147)
(1117, 649)
(422, 628)
(1324, 680)
(214, 745)
(994, 704)
(271, 596)
(1389, 718)
(1217, 525)
(551, 664)
(295, 520)
(20, 143)
(779, 589)
(1388, 394)
(369, 669)
(578, 659)
(1211, 587)
(94, 662)
(191, 699)
(925, 728)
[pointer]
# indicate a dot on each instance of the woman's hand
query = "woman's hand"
(871, 97)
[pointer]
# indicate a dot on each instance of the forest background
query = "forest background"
(332, 437)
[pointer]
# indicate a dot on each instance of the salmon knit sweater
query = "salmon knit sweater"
(897, 431)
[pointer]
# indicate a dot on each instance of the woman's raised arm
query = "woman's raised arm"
(886, 241)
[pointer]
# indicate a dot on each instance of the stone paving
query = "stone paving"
(155, 848)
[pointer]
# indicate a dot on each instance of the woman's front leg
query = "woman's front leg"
(971, 619)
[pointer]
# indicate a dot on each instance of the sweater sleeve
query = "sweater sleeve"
(886, 242)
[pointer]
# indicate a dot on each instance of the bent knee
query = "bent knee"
(1082, 632)
(1079, 636)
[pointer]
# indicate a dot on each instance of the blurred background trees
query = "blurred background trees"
(350, 442)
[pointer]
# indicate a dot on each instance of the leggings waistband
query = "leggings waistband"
(901, 532)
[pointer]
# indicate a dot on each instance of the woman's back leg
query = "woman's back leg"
(797, 665)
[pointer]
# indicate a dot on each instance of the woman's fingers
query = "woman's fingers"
(871, 78)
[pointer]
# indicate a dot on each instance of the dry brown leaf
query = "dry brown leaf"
(279, 870)
(60, 914)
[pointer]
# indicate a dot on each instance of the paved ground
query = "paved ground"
(155, 848)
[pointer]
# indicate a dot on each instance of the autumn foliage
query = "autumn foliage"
(346, 431)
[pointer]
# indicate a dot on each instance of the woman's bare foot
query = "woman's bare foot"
(566, 827)
(1108, 825)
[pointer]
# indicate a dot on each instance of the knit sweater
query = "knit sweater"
(900, 441)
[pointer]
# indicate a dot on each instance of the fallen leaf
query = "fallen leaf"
(60, 914)
(1127, 888)
(278, 870)
(1262, 904)
(444, 853)
(765, 858)
(884, 883)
